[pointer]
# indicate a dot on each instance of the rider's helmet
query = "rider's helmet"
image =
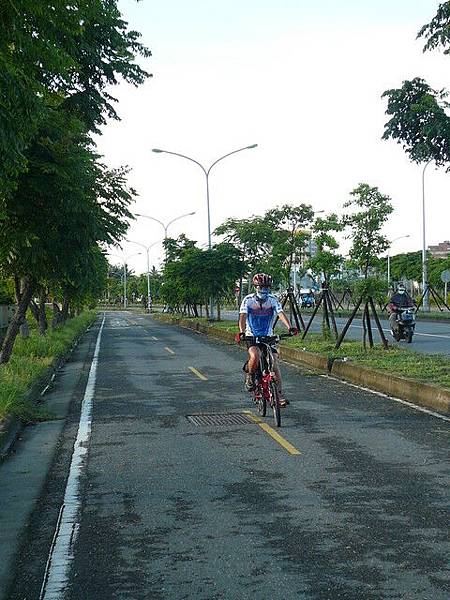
(401, 288)
(262, 280)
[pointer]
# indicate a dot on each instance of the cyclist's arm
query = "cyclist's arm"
(242, 322)
(284, 320)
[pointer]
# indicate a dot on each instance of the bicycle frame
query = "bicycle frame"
(266, 373)
(266, 388)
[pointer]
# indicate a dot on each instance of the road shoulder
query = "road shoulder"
(23, 474)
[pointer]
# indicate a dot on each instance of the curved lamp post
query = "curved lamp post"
(206, 171)
(147, 250)
(389, 258)
(124, 260)
(165, 227)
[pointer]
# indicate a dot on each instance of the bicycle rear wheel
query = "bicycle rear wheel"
(275, 398)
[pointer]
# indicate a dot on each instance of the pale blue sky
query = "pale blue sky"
(303, 80)
(221, 19)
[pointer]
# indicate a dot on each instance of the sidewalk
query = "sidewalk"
(23, 473)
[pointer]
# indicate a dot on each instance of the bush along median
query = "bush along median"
(420, 378)
(32, 360)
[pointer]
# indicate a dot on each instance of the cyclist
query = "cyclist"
(256, 317)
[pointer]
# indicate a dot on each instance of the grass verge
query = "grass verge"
(426, 368)
(30, 359)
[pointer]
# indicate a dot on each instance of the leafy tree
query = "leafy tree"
(195, 275)
(365, 225)
(407, 266)
(289, 236)
(50, 241)
(325, 261)
(6, 291)
(419, 121)
(63, 53)
(252, 237)
(418, 113)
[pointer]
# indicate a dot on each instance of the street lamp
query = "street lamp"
(147, 250)
(389, 258)
(426, 303)
(206, 171)
(165, 227)
(124, 259)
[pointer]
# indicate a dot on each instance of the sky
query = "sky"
(301, 79)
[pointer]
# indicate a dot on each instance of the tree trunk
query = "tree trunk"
(218, 311)
(34, 310)
(56, 315)
(43, 324)
(26, 293)
(65, 308)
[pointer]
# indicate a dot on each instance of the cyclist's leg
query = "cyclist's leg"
(254, 354)
(251, 366)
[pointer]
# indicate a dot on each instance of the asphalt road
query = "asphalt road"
(429, 336)
(171, 510)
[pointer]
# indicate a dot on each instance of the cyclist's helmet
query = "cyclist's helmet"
(262, 280)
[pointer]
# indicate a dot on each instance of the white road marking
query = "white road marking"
(60, 555)
(413, 406)
(446, 337)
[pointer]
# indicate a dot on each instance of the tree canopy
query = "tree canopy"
(418, 119)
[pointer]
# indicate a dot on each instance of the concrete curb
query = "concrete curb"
(422, 394)
(11, 427)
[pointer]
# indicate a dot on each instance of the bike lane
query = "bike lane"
(175, 510)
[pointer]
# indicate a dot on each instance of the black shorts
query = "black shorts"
(260, 346)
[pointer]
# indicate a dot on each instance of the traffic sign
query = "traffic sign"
(445, 276)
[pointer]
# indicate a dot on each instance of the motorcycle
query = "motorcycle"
(406, 323)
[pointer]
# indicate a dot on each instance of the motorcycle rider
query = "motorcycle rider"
(401, 299)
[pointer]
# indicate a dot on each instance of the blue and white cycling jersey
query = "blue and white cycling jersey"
(260, 314)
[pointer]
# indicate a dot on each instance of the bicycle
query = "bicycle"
(266, 390)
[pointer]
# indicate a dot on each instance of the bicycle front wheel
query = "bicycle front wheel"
(260, 400)
(275, 398)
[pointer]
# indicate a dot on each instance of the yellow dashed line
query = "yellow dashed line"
(169, 350)
(199, 375)
(273, 434)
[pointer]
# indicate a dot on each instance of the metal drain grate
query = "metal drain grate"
(220, 420)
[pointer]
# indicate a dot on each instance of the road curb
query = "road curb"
(422, 394)
(11, 426)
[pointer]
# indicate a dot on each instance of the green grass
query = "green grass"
(426, 368)
(29, 361)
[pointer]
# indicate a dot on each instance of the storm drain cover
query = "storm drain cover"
(220, 419)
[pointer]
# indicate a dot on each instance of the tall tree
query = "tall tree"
(325, 262)
(365, 225)
(70, 52)
(418, 112)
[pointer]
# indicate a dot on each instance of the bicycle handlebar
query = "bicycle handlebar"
(266, 339)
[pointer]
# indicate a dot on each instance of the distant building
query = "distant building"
(442, 250)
